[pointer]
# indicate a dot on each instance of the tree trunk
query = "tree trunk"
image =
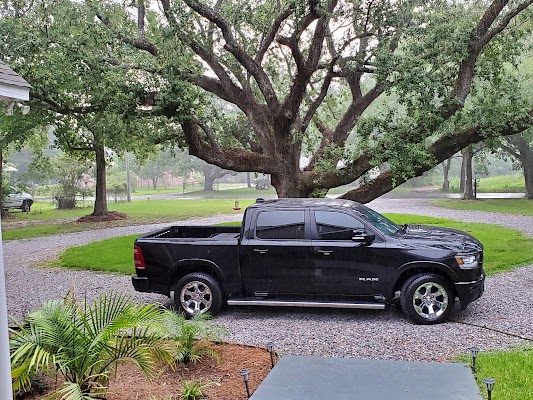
(100, 202)
(462, 176)
(468, 191)
(212, 173)
(209, 179)
(248, 180)
(446, 172)
(155, 179)
(528, 177)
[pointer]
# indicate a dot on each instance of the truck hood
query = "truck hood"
(441, 238)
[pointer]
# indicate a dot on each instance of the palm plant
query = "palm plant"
(190, 340)
(86, 343)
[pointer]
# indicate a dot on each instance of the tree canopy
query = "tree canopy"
(302, 78)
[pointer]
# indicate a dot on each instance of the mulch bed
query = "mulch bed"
(131, 384)
(110, 216)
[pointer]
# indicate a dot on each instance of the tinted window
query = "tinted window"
(280, 225)
(336, 225)
(379, 221)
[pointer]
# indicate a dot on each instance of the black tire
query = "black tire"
(427, 299)
(198, 292)
(26, 206)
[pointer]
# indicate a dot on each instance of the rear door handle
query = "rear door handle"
(261, 251)
(325, 252)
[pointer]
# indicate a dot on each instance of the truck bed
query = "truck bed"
(196, 232)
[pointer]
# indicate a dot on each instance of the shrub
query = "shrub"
(85, 343)
(190, 340)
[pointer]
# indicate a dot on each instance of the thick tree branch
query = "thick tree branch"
(442, 149)
(235, 159)
(141, 12)
(504, 22)
(271, 35)
(238, 52)
(483, 35)
(511, 151)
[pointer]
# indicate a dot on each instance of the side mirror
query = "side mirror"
(363, 237)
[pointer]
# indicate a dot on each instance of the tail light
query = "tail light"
(138, 258)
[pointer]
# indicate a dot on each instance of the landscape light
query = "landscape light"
(489, 384)
(270, 348)
(474, 351)
(244, 373)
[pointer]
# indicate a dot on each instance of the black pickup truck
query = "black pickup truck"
(312, 253)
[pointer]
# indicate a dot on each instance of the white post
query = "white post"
(6, 391)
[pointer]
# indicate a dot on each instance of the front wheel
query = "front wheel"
(198, 293)
(427, 299)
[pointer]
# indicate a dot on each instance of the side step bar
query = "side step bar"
(302, 303)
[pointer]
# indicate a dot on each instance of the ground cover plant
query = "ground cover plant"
(504, 248)
(86, 344)
(505, 206)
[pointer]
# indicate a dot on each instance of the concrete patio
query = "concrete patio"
(327, 378)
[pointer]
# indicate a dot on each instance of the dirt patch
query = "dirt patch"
(131, 384)
(110, 216)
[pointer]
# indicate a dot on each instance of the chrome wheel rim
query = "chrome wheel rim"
(430, 300)
(196, 297)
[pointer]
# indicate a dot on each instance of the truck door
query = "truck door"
(343, 266)
(277, 256)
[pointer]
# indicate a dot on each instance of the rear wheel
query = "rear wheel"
(198, 293)
(427, 299)
(26, 206)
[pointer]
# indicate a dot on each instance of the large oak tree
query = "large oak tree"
(306, 73)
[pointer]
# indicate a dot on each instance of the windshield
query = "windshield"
(384, 224)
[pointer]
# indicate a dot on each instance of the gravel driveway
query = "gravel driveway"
(505, 305)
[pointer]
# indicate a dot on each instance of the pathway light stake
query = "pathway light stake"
(244, 373)
(489, 384)
(474, 351)
(270, 348)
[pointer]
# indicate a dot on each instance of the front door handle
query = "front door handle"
(261, 251)
(325, 252)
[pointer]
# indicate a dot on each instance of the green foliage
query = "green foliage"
(194, 389)
(70, 173)
(190, 340)
(86, 343)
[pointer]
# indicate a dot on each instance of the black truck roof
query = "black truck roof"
(303, 202)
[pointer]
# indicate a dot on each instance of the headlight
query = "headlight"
(466, 261)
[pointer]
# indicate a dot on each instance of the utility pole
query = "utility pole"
(128, 181)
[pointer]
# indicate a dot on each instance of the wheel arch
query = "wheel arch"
(410, 269)
(185, 267)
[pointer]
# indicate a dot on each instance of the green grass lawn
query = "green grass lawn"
(505, 206)
(161, 190)
(240, 193)
(504, 248)
(495, 184)
(512, 371)
(52, 221)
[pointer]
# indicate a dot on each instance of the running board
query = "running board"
(298, 303)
